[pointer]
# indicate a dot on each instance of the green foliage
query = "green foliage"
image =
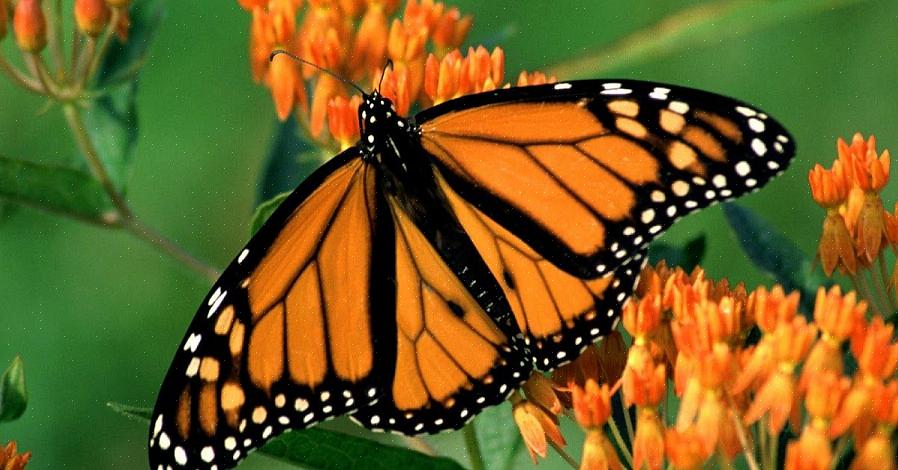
(291, 158)
(264, 211)
(13, 396)
(111, 122)
(500, 440)
(774, 253)
(704, 23)
(687, 256)
(328, 450)
(124, 60)
(57, 189)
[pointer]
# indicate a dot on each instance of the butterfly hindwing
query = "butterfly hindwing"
(588, 172)
(286, 339)
(558, 313)
(452, 359)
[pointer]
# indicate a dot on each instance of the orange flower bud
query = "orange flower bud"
(592, 404)
(811, 451)
(534, 78)
(826, 390)
(396, 85)
(250, 5)
(91, 16)
(684, 449)
(868, 171)
(872, 346)
(286, 86)
(885, 404)
(871, 228)
(343, 120)
(877, 453)
(829, 188)
(30, 26)
(535, 426)
(643, 383)
(648, 444)
(770, 308)
(538, 389)
(11, 459)
(836, 248)
(326, 88)
(598, 453)
(775, 399)
(4, 18)
(370, 46)
(836, 315)
(641, 317)
(450, 29)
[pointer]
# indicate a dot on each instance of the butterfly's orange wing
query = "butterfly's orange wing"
(287, 338)
(562, 186)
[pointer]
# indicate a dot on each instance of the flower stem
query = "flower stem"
(128, 220)
(473, 447)
(622, 445)
(564, 455)
(740, 434)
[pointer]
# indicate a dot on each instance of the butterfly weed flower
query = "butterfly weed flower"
(537, 425)
(91, 16)
(30, 26)
(11, 459)
(857, 227)
(592, 409)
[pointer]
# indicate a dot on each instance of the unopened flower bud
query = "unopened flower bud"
(30, 26)
(91, 16)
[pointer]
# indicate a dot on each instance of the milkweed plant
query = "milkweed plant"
(701, 372)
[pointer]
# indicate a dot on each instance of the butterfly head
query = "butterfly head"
(377, 119)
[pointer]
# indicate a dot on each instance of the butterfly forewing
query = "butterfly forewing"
(287, 338)
(588, 172)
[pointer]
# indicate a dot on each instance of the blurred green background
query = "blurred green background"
(97, 315)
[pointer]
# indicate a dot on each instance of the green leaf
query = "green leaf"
(320, 448)
(13, 396)
(111, 122)
(329, 450)
(57, 189)
(124, 60)
(705, 23)
(499, 438)
(774, 253)
(264, 211)
(291, 158)
(687, 257)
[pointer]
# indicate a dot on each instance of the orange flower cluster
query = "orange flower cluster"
(11, 459)
(355, 39)
(857, 227)
(96, 22)
(732, 359)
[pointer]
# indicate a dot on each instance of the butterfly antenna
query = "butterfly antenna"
(300, 59)
(388, 65)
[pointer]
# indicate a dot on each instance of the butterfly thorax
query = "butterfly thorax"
(381, 127)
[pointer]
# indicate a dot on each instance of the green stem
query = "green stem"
(741, 435)
(564, 455)
(19, 77)
(473, 447)
(615, 432)
(100, 51)
(54, 39)
(128, 220)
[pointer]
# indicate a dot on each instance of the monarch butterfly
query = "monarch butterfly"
(421, 275)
